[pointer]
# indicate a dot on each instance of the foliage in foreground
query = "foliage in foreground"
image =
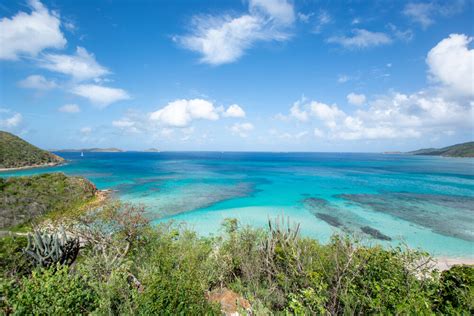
(128, 267)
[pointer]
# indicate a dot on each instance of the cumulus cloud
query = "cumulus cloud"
(395, 115)
(80, 66)
(181, 113)
(297, 113)
(242, 129)
(224, 39)
(356, 99)
(29, 34)
(234, 110)
(70, 108)
(100, 95)
(361, 39)
(451, 63)
(11, 121)
(37, 82)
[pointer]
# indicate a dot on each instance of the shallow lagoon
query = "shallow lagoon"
(426, 202)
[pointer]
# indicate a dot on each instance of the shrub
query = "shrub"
(456, 291)
(174, 276)
(54, 291)
(13, 263)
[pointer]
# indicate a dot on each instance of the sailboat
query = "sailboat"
(82, 154)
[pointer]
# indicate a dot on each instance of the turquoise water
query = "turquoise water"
(425, 202)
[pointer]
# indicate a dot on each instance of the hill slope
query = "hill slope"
(23, 199)
(458, 150)
(17, 153)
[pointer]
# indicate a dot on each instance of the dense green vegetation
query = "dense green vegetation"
(126, 266)
(458, 150)
(25, 198)
(17, 153)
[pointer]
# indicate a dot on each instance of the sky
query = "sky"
(250, 75)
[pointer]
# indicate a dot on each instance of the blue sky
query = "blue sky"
(270, 75)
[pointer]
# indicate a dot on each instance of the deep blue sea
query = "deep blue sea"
(424, 202)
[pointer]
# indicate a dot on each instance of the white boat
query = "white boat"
(82, 154)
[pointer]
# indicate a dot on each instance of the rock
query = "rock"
(230, 301)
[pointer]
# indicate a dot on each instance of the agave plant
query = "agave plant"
(48, 249)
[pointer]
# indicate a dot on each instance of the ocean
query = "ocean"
(424, 202)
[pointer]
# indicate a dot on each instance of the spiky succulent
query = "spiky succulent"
(47, 249)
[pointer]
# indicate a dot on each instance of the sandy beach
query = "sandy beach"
(445, 263)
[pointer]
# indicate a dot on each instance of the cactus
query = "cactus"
(49, 249)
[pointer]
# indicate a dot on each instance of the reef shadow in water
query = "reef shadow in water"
(341, 218)
(197, 196)
(331, 220)
(375, 233)
(447, 215)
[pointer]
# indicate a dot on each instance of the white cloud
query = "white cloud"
(424, 13)
(279, 10)
(181, 113)
(234, 110)
(80, 66)
(318, 133)
(304, 17)
(127, 125)
(37, 82)
(356, 99)
(86, 130)
(420, 12)
(29, 34)
(343, 78)
(123, 123)
(361, 39)
(11, 122)
(224, 39)
(451, 63)
(323, 19)
(297, 113)
(100, 95)
(70, 108)
(242, 129)
(405, 36)
(329, 114)
(395, 115)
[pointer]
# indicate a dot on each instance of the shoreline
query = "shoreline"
(446, 263)
(51, 164)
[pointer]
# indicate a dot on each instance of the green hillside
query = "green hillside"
(17, 153)
(458, 150)
(25, 198)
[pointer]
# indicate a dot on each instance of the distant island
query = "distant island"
(458, 150)
(91, 150)
(152, 150)
(16, 153)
